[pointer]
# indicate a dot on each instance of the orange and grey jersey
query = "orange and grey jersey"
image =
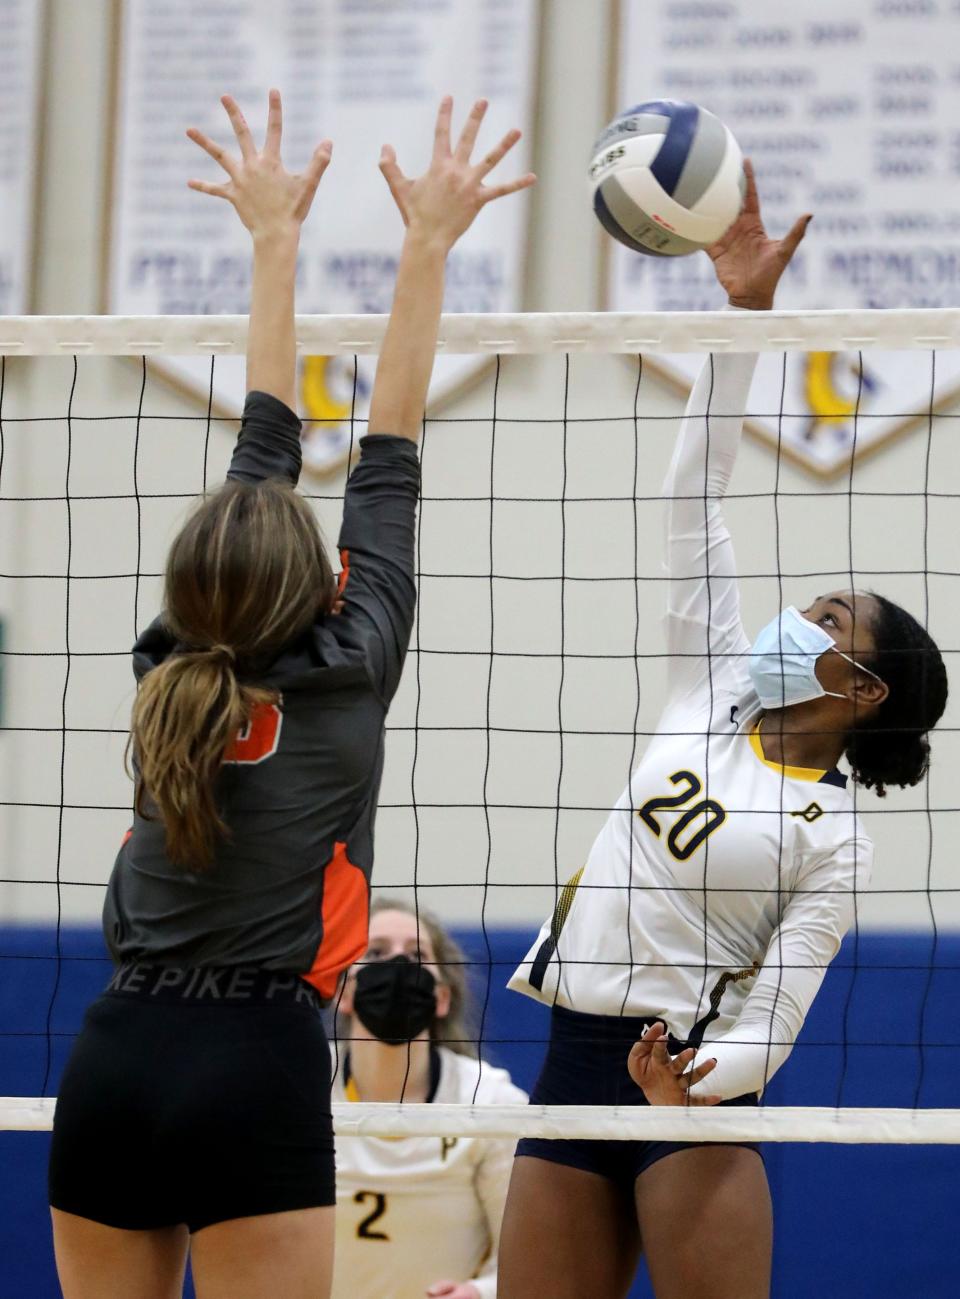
(298, 789)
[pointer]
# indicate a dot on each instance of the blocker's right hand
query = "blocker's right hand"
(663, 1079)
(442, 203)
(269, 200)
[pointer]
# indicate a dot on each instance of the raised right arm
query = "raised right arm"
(704, 632)
(703, 600)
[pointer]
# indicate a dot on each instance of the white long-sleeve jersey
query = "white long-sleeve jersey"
(418, 1210)
(721, 885)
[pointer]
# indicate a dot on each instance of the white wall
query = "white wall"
(454, 855)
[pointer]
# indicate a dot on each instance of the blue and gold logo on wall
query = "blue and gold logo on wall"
(334, 395)
(834, 387)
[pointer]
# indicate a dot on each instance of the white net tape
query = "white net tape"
(848, 1126)
(529, 334)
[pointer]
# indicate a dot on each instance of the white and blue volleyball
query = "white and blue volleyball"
(667, 178)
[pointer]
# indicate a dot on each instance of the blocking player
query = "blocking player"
(195, 1108)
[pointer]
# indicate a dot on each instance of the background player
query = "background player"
(196, 1101)
(721, 885)
(413, 1212)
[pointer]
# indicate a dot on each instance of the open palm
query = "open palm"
(266, 196)
(748, 262)
(447, 197)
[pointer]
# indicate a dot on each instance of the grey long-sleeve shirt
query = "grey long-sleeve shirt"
(289, 888)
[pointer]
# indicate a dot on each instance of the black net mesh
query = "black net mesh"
(534, 681)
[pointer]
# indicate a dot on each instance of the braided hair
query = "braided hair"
(892, 748)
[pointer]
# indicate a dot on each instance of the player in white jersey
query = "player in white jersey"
(419, 1216)
(720, 887)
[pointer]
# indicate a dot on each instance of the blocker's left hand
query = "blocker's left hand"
(747, 261)
(663, 1079)
(453, 1290)
(269, 200)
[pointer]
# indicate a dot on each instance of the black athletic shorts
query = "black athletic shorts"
(195, 1096)
(586, 1064)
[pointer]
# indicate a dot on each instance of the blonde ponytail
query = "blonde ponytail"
(246, 575)
(187, 713)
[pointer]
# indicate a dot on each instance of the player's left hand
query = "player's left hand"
(453, 1290)
(269, 200)
(747, 261)
(663, 1079)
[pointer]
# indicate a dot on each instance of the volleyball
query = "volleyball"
(667, 178)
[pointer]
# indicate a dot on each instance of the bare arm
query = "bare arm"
(273, 204)
(406, 362)
(436, 209)
(271, 344)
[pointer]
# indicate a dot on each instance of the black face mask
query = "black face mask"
(395, 1000)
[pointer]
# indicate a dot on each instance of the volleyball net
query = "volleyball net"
(537, 666)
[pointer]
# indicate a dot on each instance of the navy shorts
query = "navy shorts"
(195, 1096)
(586, 1064)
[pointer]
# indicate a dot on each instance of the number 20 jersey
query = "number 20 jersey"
(722, 883)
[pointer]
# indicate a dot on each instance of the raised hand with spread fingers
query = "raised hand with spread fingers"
(748, 263)
(269, 199)
(272, 203)
(437, 208)
(444, 201)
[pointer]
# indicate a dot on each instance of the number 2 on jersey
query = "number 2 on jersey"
(364, 1231)
(711, 811)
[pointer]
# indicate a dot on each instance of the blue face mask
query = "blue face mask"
(783, 661)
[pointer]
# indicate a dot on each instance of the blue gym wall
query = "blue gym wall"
(871, 1221)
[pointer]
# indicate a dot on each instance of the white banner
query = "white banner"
(20, 22)
(851, 112)
(360, 71)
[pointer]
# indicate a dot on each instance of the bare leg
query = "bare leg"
(270, 1256)
(566, 1233)
(98, 1262)
(707, 1224)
